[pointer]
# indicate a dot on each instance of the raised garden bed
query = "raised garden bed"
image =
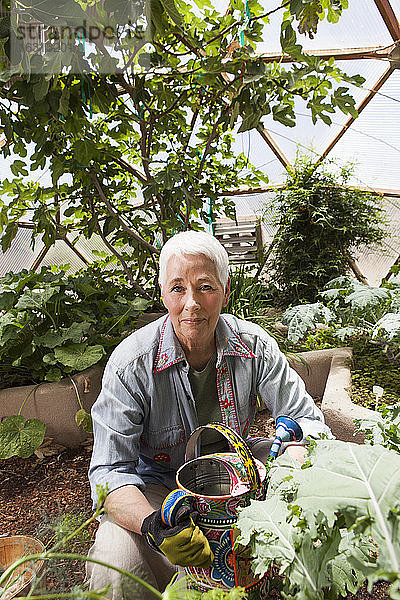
(327, 375)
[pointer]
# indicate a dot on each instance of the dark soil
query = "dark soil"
(46, 496)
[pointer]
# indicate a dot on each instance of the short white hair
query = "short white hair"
(195, 242)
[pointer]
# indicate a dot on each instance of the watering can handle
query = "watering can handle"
(238, 444)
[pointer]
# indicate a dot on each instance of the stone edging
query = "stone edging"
(327, 374)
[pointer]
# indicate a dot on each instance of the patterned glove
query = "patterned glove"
(184, 544)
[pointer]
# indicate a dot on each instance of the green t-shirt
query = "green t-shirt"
(204, 388)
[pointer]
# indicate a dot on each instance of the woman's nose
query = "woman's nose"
(192, 301)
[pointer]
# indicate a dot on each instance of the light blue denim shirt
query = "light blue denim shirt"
(146, 412)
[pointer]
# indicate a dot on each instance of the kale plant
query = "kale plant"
(331, 524)
(352, 309)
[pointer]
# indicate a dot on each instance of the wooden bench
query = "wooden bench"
(241, 240)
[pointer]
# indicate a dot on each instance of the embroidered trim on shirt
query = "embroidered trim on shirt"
(164, 360)
(239, 347)
(226, 398)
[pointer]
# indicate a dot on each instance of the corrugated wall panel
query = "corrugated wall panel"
(20, 255)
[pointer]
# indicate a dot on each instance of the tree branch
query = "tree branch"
(191, 127)
(125, 227)
(227, 29)
(123, 262)
(207, 149)
(131, 170)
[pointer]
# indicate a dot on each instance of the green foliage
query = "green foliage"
(317, 520)
(68, 544)
(54, 325)
(300, 319)
(384, 429)
(369, 368)
(320, 226)
(20, 437)
(321, 339)
(58, 527)
(247, 299)
(139, 152)
(353, 310)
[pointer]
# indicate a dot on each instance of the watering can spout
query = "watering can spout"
(287, 430)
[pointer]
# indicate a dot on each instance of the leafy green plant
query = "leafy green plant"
(320, 225)
(304, 317)
(134, 150)
(352, 309)
(54, 325)
(247, 299)
(331, 524)
(384, 429)
(369, 368)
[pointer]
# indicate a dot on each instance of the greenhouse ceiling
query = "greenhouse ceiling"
(365, 41)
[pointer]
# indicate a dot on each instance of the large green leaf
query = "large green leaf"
(36, 298)
(84, 151)
(51, 339)
(79, 356)
(309, 567)
(345, 485)
(300, 319)
(388, 326)
(173, 13)
(366, 297)
(76, 331)
(355, 480)
(10, 327)
(19, 437)
(83, 419)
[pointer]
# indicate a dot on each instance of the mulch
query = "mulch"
(43, 496)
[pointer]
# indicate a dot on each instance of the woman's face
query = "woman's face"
(194, 297)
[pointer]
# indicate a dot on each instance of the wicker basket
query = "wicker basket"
(13, 548)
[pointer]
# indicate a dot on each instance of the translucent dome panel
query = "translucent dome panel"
(313, 139)
(20, 254)
(361, 25)
(373, 141)
(375, 263)
(61, 254)
(395, 4)
(253, 146)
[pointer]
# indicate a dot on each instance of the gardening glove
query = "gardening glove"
(184, 544)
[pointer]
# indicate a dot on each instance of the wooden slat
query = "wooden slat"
(234, 227)
(233, 239)
(241, 251)
(242, 241)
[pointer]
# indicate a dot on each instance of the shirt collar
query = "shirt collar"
(170, 352)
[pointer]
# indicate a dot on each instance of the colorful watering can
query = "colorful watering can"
(216, 485)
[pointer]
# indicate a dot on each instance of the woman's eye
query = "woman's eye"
(177, 288)
(206, 287)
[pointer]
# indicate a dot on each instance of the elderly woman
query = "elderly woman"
(188, 368)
